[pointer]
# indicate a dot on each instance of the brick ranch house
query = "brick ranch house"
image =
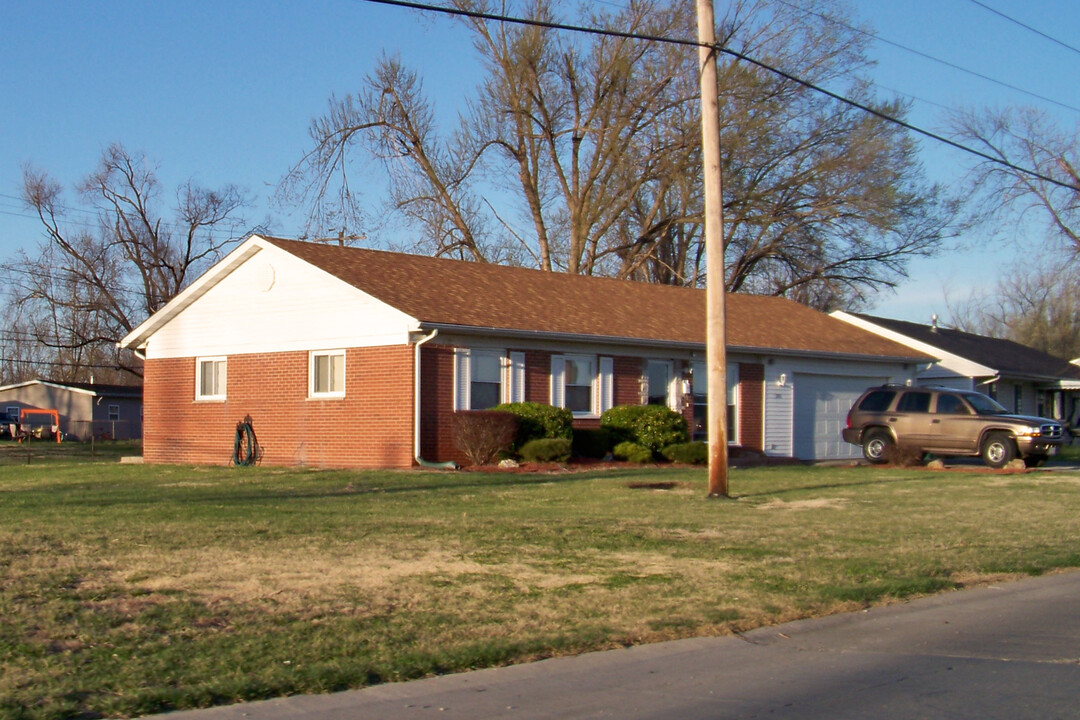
(349, 357)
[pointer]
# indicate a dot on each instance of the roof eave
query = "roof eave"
(138, 337)
(659, 343)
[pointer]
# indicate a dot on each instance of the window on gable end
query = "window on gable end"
(326, 373)
(210, 376)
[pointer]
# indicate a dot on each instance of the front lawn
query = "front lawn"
(134, 589)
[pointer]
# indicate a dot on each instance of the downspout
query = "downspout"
(450, 465)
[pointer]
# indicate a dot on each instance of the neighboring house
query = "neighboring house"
(351, 357)
(86, 409)
(1023, 379)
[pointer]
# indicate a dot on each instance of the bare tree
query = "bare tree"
(1028, 138)
(92, 282)
(1037, 307)
(598, 137)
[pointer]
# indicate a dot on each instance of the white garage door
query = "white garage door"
(821, 406)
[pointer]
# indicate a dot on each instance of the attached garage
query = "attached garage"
(821, 404)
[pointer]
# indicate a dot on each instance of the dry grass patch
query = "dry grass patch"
(141, 589)
(810, 504)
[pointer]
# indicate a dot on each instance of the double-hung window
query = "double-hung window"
(579, 379)
(484, 378)
(581, 383)
(326, 374)
(114, 413)
(210, 375)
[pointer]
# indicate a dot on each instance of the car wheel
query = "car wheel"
(998, 450)
(876, 445)
(1033, 461)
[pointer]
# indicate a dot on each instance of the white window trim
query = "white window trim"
(312, 356)
(600, 385)
(511, 377)
(222, 391)
(114, 409)
(733, 399)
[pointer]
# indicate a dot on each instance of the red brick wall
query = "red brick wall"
(437, 404)
(538, 376)
(751, 406)
(370, 427)
(627, 380)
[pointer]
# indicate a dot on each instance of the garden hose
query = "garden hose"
(245, 446)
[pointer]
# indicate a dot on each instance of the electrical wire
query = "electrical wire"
(1013, 20)
(927, 56)
(738, 56)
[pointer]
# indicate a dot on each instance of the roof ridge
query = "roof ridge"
(559, 275)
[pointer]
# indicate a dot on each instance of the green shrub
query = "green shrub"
(632, 452)
(546, 450)
(537, 421)
(691, 453)
(652, 426)
(592, 442)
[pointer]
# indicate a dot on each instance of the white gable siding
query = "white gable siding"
(275, 302)
(948, 365)
(779, 403)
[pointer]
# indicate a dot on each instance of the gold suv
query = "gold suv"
(946, 422)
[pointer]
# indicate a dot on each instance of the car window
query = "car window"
(877, 400)
(984, 405)
(951, 405)
(915, 402)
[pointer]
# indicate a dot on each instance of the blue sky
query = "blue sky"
(222, 91)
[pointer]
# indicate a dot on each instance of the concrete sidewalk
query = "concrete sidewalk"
(1005, 651)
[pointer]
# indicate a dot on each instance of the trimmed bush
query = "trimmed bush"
(537, 421)
(632, 452)
(691, 453)
(483, 434)
(593, 442)
(546, 450)
(652, 426)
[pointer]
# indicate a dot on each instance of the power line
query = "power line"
(236, 228)
(60, 363)
(1013, 20)
(932, 58)
(738, 56)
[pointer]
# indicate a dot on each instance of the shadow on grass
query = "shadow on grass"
(256, 491)
(258, 486)
(881, 476)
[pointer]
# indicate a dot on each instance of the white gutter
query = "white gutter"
(670, 344)
(416, 407)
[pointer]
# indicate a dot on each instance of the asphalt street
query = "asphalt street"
(1009, 651)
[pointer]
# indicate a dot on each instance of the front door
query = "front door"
(659, 374)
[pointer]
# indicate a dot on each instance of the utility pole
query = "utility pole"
(716, 327)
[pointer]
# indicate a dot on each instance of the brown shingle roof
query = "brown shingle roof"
(438, 291)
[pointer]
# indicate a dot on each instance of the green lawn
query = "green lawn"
(133, 589)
